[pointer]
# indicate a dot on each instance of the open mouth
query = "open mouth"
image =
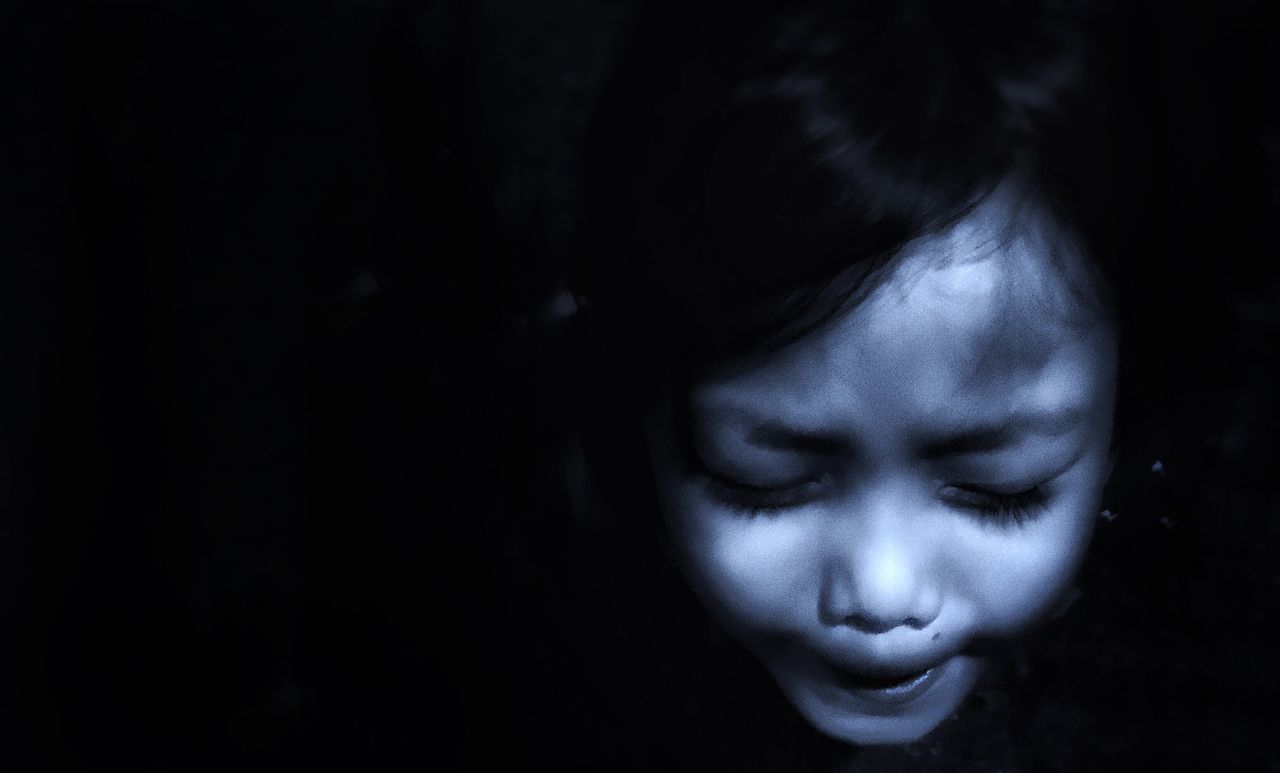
(895, 687)
(897, 682)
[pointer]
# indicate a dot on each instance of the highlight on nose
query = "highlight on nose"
(876, 590)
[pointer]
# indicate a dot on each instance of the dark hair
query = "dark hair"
(749, 175)
(742, 175)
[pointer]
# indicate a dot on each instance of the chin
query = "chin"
(869, 731)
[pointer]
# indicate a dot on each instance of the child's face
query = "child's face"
(921, 476)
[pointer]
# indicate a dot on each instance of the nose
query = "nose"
(877, 582)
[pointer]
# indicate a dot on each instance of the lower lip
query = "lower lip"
(904, 692)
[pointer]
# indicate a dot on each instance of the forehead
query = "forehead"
(999, 312)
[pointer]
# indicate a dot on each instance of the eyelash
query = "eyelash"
(1004, 509)
(754, 501)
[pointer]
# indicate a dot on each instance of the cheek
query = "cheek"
(1017, 575)
(752, 572)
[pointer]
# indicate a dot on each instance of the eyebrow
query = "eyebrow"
(992, 435)
(975, 438)
(777, 436)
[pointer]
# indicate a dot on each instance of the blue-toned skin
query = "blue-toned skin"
(920, 475)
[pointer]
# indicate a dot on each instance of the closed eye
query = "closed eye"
(1005, 508)
(755, 500)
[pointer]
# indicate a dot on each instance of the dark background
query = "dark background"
(274, 297)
